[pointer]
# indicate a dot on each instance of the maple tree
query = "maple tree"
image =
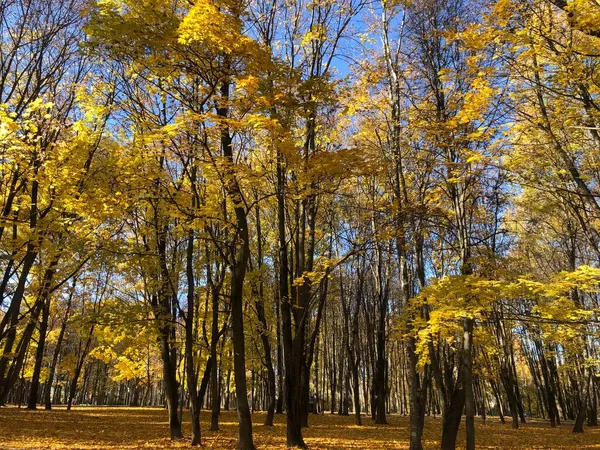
(374, 208)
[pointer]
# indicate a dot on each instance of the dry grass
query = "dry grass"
(87, 428)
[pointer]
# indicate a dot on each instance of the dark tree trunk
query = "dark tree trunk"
(238, 274)
(78, 367)
(39, 357)
(192, 376)
(379, 387)
(451, 419)
(53, 364)
(582, 407)
(280, 382)
(170, 384)
(593, 408)
(11, 317)
(44, 298)
(163, 309)
(418, 392)
(212, 367)
(215, 382)
(580, 419)
(356, 393)
(264, 336)
(21, 352)
(292, 346)
(467, 361)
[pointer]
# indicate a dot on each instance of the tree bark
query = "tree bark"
(238, 274)
(192, 376)
(53, 364)
(468, 382)
(39, 357)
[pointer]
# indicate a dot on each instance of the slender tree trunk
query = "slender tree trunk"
(280, 382)
(39, 356)
(44, 295)
(468, 383)
(264, 336)
(215, 382)
(189, 342)
(21, 353)
(53, 364)
(238, 274)
(380, 386)
(78, 367)
(582, 408)
(12, 314)
(416, 400)
(291, 345)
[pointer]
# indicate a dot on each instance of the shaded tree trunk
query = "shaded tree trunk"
(192, 376)
(57, 349)
(238, 274)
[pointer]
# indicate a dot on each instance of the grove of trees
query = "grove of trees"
(365, 207)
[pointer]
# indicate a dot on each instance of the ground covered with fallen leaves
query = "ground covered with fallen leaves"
(96, 428)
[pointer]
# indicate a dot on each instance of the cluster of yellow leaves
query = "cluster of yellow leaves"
(208, 23)
(476, 102)
(454, 298)
(585, 14)
(128, 348)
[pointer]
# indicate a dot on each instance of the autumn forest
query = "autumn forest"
(325, 224)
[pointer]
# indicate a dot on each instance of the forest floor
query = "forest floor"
(98, 428)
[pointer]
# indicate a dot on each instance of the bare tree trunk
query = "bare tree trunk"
(238, 274)
(468, 383)
(192, 376)
(39, 356)
(53, 364)
(44, 295)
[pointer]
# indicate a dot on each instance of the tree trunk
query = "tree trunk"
(291, 345)
(280, 382)
(582, 407)
(451, 419)
(238, 274)
(39, 356)
(468, 383)
(44, 298)
(170, 385)
(416, 399)
(53, 364)
(214, 389)
(21, 353)
(379, 386)
(264, 336)
(192, 376)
